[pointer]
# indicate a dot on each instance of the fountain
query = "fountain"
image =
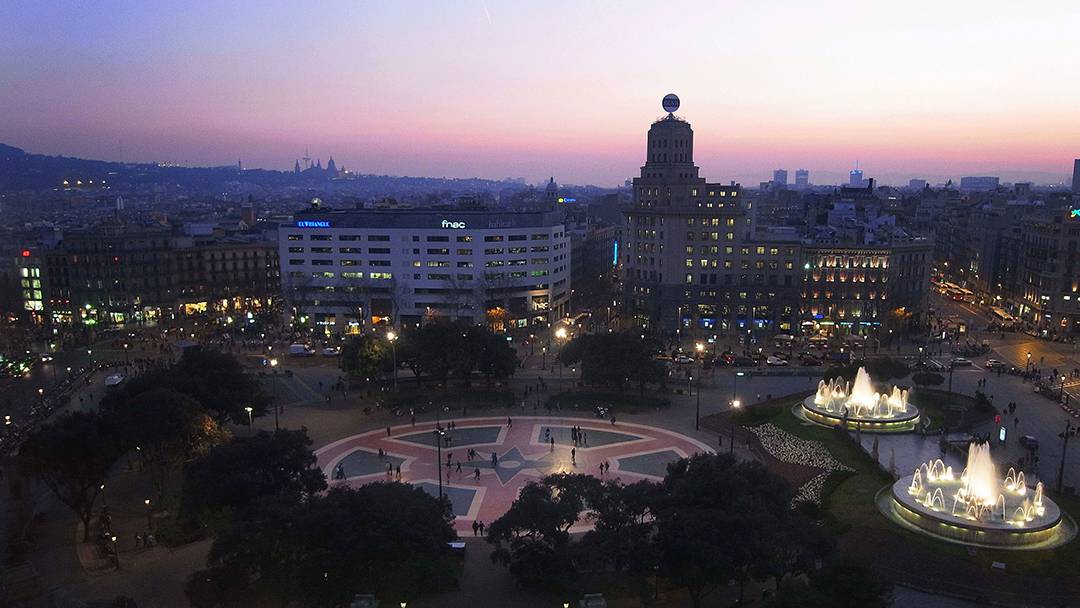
(860, 406)
(979, 507)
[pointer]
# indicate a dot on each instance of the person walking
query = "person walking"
(482, 527)
(573, 456)
(475, 528)
(476, 473)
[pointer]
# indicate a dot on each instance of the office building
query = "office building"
(691, 261)
(779, 178)
(802, 179)
(343, 270)
(980, 183)
(1076, 177)
(917, 184)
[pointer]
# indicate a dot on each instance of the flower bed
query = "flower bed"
(788, 448)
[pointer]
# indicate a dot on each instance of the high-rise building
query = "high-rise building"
(779, 178)
(855, 178)
(1076, 176)
(690, 259)
(917, 184)
(802, 178)
(979, 183)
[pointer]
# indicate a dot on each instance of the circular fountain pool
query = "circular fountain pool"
(860, 406)
(977, 506)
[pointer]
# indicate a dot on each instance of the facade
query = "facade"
(1076, 177)
(115, 274)
(982, 183)
(861, 289)
(779, 178)
(343, 270)
(690, 260)
(855, 178)
(802, 178)
(1049, 290)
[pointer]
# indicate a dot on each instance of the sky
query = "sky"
(485, 88)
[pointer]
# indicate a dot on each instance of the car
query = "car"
(960, 362)
(995, 364)
(775, 361)
(1029, 442)
(331, 351)
(683, 359)
(45, 357)
(301, 350)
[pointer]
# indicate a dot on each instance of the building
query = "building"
(347, 269)
(1050, 274)
(976, 184)
(1076, 177)
(115, 274)
(852, 287)
(802, 179)
(916, 184)
(779, 178)
(691, 261)
(855, 178)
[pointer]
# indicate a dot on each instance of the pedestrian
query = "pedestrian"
(459, 466)
(397, 472)
(414, 420)
(389, 471)
(494, 460)
(601, 469)
(547, 434)
(482, 528)
(476, 473)
(573, 455)
(387, 430)
(585, 438)
(475, 528)
(509, 423)
(613, 421)
(552, 440)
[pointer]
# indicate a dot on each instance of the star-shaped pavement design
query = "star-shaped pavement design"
(512, 462)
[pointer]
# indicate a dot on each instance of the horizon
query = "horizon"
(209, 85)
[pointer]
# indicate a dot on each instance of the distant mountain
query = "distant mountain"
(20, 171)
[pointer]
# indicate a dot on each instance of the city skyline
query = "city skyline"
(499, 90)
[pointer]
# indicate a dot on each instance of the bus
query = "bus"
(963, 295)
(1001, 317)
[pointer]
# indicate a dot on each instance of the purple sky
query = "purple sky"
(509, 89)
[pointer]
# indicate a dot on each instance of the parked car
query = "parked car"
(683, 359)
(995, 364)
(960, 362)
(775, 361)
(301, 350)
(331, 351)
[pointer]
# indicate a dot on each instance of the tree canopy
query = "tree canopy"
(442, 349)
(388, 539)
(235, 476)
(72, 456)
(613, 360)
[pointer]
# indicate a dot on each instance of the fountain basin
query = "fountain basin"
(899, 422)
(859, 406)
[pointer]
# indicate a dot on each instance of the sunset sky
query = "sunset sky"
(507, 89)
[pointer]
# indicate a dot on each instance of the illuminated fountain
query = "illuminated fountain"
(860, 406)
(978, 506)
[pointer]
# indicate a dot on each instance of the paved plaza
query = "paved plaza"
(506, 457)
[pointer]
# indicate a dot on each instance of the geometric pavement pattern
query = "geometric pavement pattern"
(505, 458)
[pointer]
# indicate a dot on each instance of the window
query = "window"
(493, 239)
(438, 264)
(438, 239)
(378, 237)
(540, 249)
(464, 239)
(464, 277)
(538, 261)
(438, 252)
(518, 237)
(438, 277)
(538, 273)
(493, 263)
(322, 250)
(322, 262)
(351, 250)
(382, 250)
(381, 275)
(296, 250)
(296, 262)
(540, 237)
(517, 249)
(493, 252)
(464, 251)
(348, 237)
(464, 264)
(350, 262)
(516, 263)
(296, 237)
(320, 237)
(352, 275)
(378, 262)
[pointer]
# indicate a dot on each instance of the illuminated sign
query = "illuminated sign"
(1001, 434)
(313, 224)
(25, 253)
(454, 225)
(563, 199)
(1074, 214)
(615, 254)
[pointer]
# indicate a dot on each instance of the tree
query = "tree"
(532, 539)
(384, 538)
(72, 456)
(621, 538)
(215, 379)
(234, 476)
(613, 360)
(717, 522)
(367, 356)
(169, 428)
(840, 584)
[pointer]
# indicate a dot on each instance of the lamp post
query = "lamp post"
(1064, 446)
(392, 337)
(149, 518)
(248, 410)
(439, 434)
(116, 552)
(697, 409)
(273, 364)
(543, 361)
(41, 395)
(731, 444)
(1028, 366)
(104, 497)
(127, 359)
(1061, 393)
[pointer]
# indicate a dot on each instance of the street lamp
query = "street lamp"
(1028, 366)
(543, 361)
(127, 359)
(734, 406)
(560, 333)
(1061, 394)
(104, 497)
(116, 552)
(248, 410)
(697, 408)
(392, 337)
(149, 521)
(439, 434)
